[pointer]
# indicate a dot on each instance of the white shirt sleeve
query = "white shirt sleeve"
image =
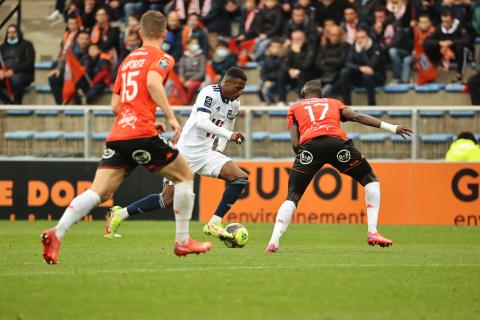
(202, 120)
(222, 142)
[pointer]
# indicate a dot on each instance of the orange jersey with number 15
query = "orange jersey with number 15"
(317, 117)
(136, 113)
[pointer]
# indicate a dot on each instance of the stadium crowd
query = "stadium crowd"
(342, 43)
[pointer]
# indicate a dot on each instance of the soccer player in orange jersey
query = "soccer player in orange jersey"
(318, 139)
(134, 140)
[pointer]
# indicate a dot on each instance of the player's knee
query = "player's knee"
(294, 197)
(241, 180)
(369, 177)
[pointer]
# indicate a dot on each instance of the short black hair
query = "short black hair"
(446, 12)
(312, 87)
(236, 73)
(425, 15)
(467, 135)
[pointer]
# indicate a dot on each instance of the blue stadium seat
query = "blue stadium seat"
(99, 135)
(373, 113)
(76, 135)
(280, 136)
(260, 135)
(455, 88)
(277, 113)
(397, 88)
(462, 113)
(364, 90)
(47, 112)
(45, 65)
(431, 113)
(73, 113)
(250, 88)
(398, 139)
(48, 135)
(159, 113)
(250, 65)
(477, 40)
(20, 112)
(437, 137)
(374, 137)
(399, 113)
(168, 135)
(43, 88)
(103, 113)
(19, 135)
(184, 113)
(429, 87)
(353, 136)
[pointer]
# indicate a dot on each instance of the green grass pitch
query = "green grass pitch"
(320, 272)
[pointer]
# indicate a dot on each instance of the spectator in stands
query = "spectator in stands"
(173, 40)
(476, 18)
(219, 18)
(105, 35)
(248, 19)
(330, 9)
(474, 87)
(58, 11)
(74, 9)
(191, 69)
(401, 11)
(365, 8)
(300, 21)
(69, 36)
(187, 7)
(298, 66)
(396, 42)
(98, 74)
(364, 67)
(465, 148)
(272, 75)
(18, 65)
(56, 76)
(115, 9)
(140, 6)
(223, 59)
(193, 29)
(269, 25)
(330, 60)
(350, 24)
(309, 8)
(427, 7)
(88, 14)
(130, 36)
(448, 41)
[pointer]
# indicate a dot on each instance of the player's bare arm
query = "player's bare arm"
(115, 104)
(350, 115)
(295, 137)
(157, 92)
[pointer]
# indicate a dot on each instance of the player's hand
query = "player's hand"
(177, 129)
(161, 128)
(238, 137)
(404, 131)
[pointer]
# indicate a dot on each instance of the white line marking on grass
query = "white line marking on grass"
(53, 272)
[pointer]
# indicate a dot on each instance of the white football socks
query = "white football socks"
(123, 213)
(183, 201)
(372, 200)
(215, 219)
(80, 206)
(284, 216)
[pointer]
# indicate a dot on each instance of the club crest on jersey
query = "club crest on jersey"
(141, 156)
(208, 102)
(163, 63)
(306, 157)
(343, 155)
(231, 115)
(108, 153)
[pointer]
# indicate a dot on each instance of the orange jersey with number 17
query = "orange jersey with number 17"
(317, 117)
(136, 113)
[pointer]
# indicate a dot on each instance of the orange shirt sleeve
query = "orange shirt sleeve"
(163, 65)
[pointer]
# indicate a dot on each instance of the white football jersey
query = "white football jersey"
(222, 111)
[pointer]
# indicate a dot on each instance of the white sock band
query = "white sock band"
(284, 216)
(80, 206)
(372, 201)
(183, 202)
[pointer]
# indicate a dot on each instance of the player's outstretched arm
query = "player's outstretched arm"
(350, 115)
(157, 92)
(295, 137)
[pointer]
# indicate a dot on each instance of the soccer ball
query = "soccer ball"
(240, 235)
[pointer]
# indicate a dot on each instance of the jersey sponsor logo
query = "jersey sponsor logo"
(344, 155)
(141, 156)
(133, 64)
(163, 63)
(306, 157)
(138, 53)
(108, 153)
(208, 102)
(129, 118)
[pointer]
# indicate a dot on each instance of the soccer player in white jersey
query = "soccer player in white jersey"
(212, 116)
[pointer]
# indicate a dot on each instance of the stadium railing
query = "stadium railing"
(80, 131)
